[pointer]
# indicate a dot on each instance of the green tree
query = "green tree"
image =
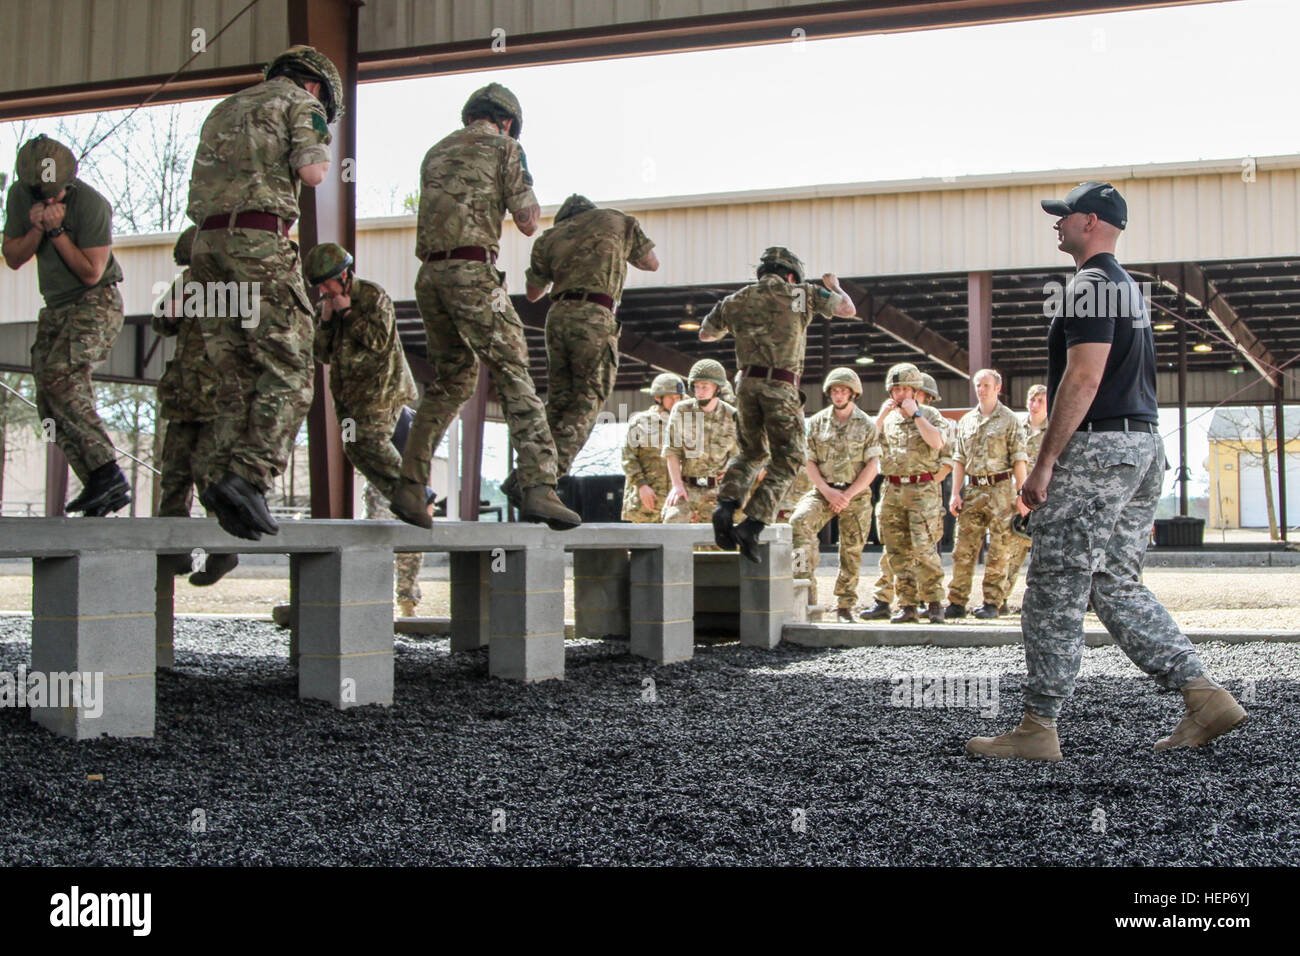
(129, 413)
(15, 414)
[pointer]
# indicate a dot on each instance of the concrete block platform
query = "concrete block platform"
(101, 602)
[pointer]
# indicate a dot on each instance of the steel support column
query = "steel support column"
(471, 455)
(1280, 431)
(329, 215)
(979, 298)
(56, 480)
(1183, 473)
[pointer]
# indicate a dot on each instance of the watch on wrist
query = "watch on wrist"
(916, 414)
(56, 231)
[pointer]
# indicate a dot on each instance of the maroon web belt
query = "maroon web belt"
(988, 479)
(909, 479)
(702, 482)
(597, 297)
(248, 220)
(775, 374)
(472, 253)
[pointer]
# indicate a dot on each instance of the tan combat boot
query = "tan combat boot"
(542, 504)
(1034, 739)
(410, 503)
(407, 608)
(1211, 712)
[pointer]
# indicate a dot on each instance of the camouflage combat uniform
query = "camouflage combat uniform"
(702, 442)
(643, 464)
(186, 398)
(769, 319)
(886, 584)
(801, 485)
(988, 446)
(1018, 547)
(76, 329)
(910, 516)
(468, 181)
(841, 450)
(369, 379)
(406, 564)
(586, 253)
(250, 149)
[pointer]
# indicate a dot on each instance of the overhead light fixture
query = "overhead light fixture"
(688, 325)
(1163, 327)
(1202, 346)
(864, 360)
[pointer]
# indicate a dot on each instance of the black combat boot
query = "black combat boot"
(988, 611)
(955, 611)
(106, 491)
(877, 612)
(905, 614)
(249, 500)
(746, 535)
(215, 568)
(724, 516)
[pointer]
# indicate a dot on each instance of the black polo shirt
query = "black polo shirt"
(1102, 303)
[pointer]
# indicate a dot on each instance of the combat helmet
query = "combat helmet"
(326, 261)
(45, 164)
(303, 62)
(184, 243)
(784, 258)
(843, 376)
(494, 95)
(708, 370)
(904, 373)
(666, 383)
(572, 206)
(930, 386)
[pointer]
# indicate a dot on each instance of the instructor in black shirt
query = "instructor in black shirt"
(1093, 495)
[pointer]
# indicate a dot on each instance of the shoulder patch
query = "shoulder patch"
(318, 123)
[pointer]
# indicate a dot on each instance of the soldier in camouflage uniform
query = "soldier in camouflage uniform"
(468, 181)
(801, 485)
(1034, 427)
(991, 455)
(1093, 495)
(701, 437)
(406, 564)
(645, 472)
(884, 589)
(369, 378)
(255, 149)
(583, 257)
(67, 226)
(912, 439)
(770, 322)
(843, 459)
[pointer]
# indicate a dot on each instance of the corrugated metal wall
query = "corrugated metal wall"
(67, 42)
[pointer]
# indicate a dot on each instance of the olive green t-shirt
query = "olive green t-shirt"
(89, 221)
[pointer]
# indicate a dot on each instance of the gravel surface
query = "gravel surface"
(585, 771)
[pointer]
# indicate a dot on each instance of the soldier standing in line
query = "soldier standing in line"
(701, 438)
(991, 453)
(1034, 427)
(912, 442)
(769, 320)
(928, 394)
(583, 257)
(255, 150)
(186, 393)
(645, 472)
(843, 460)
(468, 180)
(67, 226)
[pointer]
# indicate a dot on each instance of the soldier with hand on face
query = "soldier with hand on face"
(468, 181)
(769, 320)
(646, 481)
(583, 258)
(66, 225)
(1034, 427)
(843, 459)
(701, 438)
(255, 151)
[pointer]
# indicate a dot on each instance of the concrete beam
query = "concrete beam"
(1189, 279)
(979, 333)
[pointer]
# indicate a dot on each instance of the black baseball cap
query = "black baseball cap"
(1103, 199)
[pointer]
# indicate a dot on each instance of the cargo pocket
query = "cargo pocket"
(1062, 545)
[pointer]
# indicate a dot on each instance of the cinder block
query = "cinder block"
(668, 602)
(766, 594)
(527, 597)
(94, 583)
(664, 641)
(759, 629)
(345, 577)
(536, 657)
(775, 559)
(128, 711)
(662, 566)
(164, 614)
(295, 574)
(350, 629)
(470, 599)
(323, 677)
(111, 645)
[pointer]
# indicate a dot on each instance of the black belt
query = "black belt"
(598, 297)
(1118, 425)
(773, 374)
(265, 221)
(839, 485)
(471, 253)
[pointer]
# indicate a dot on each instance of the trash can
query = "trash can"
(1180, 532)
